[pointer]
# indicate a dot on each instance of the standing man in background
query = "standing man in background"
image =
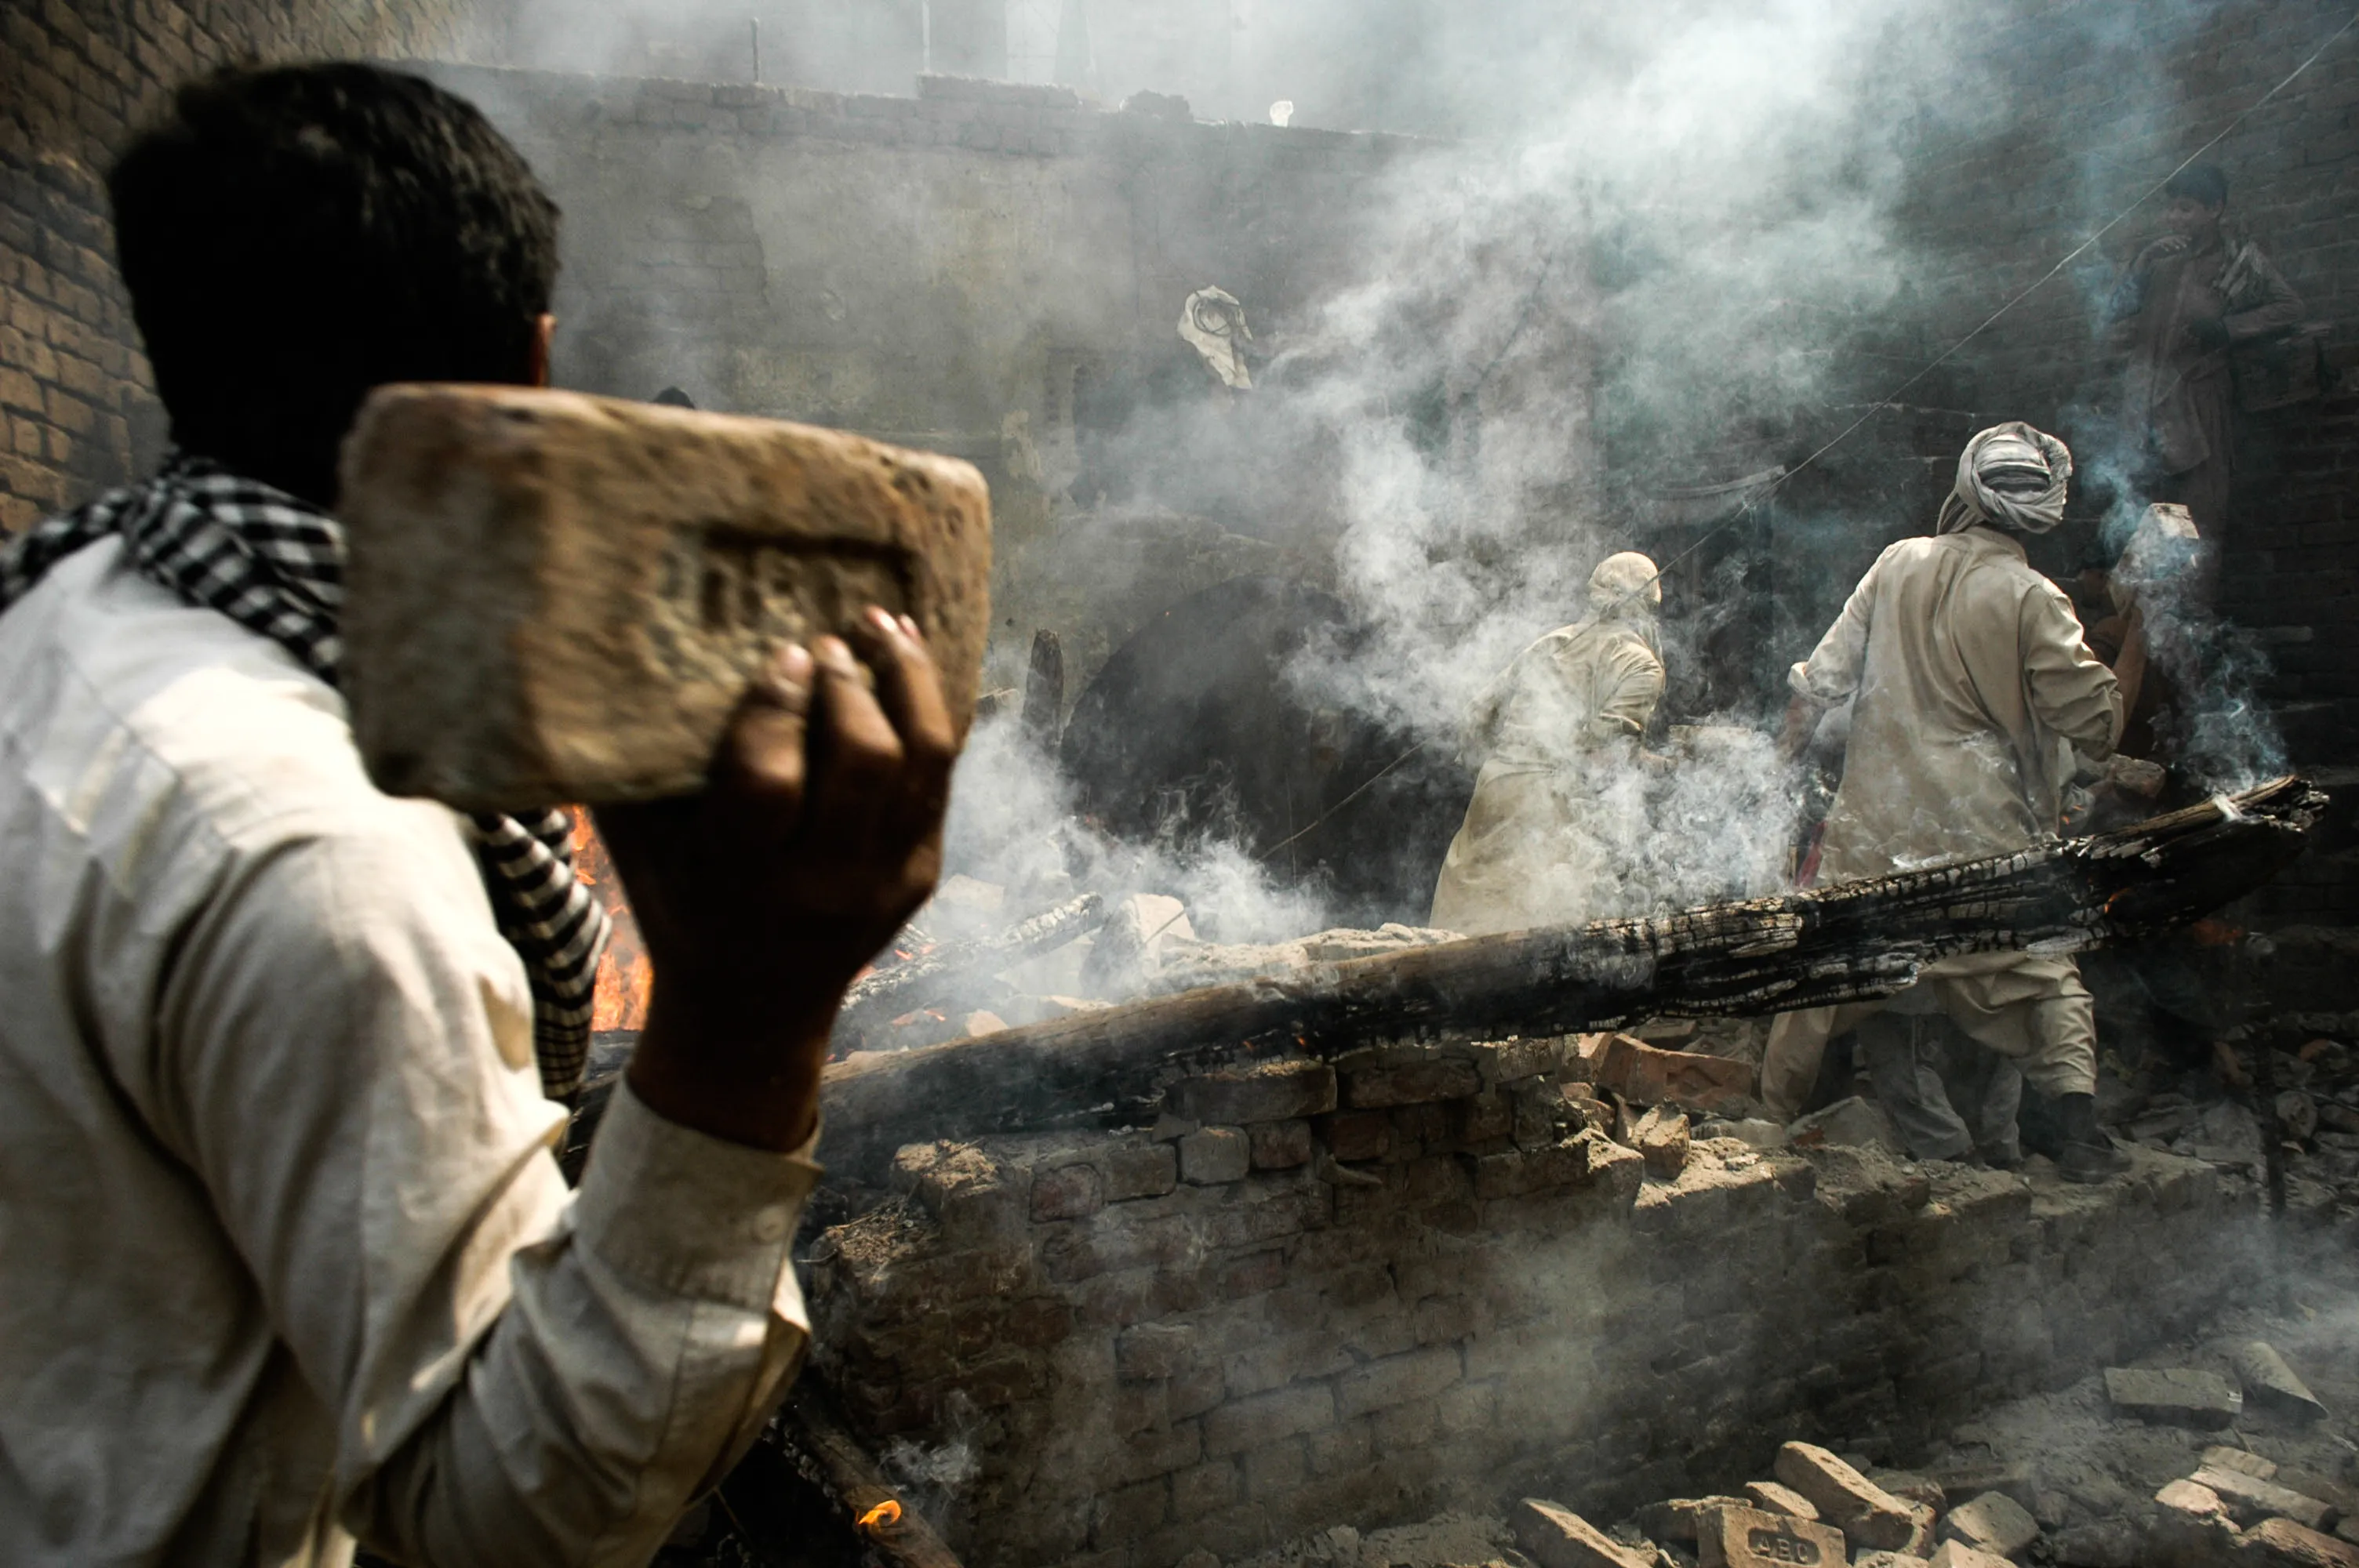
(2188, 298)
(1972, 691)
(1559, 800)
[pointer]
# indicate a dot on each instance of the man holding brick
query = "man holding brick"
(286, 1260)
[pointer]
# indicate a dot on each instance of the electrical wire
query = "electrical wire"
(1754, 502)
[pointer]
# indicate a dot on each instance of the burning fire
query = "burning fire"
(624, 975)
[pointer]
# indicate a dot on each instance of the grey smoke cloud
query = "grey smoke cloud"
(1659, 236)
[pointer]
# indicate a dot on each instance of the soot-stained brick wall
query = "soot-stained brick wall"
(969, 270)
(76, 76)
(1363, 1294)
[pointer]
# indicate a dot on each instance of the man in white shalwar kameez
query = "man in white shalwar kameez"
(1560, 804)
(1972, 688)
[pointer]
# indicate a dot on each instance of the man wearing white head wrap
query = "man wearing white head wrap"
(1971, 686)
(1558, 804)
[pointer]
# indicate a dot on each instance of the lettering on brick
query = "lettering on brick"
(1779, 1547)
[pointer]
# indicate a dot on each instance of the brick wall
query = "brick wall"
(75, 77)
(1363, 1295)
(951, 270)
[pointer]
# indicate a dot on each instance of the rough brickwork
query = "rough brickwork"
(75, 77)
(1455, 1301)
(956, 270)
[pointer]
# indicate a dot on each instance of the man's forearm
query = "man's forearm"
(643, 1345)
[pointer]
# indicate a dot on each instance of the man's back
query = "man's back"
(1972, 683)
(187, 947)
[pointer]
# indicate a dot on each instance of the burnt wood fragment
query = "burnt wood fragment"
(1852, 942)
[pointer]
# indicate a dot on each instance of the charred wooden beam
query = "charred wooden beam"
(889, 993)
(1847, 943)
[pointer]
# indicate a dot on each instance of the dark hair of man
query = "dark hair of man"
(295, 235)
(2204, 182)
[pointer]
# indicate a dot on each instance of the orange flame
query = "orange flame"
(882, 1515)
(624, 976)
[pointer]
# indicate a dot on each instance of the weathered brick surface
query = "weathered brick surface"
(1254, 1360)
(1277, 1092)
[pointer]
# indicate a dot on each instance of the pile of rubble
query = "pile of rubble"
(2214, 1457)
(2299, 1071)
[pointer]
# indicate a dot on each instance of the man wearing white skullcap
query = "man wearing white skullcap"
(1560, 803)
(1972, 689)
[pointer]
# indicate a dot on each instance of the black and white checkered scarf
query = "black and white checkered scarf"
(276, 566)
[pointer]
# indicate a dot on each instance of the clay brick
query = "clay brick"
(1355, 1135)
(2282, 1543)
(557, 597)
(1206, 1488)
(1750, 1538)
(1958, 1554)
(1661, 1140)
(1681, 1520)
(1215, 1154)
(2180, 1396)
(1280, 1145)
(1863, 1511)
(1253, 1275)
(1263, 1419)
(1397, 1379)
(1993, 1523)
(1646, 1075)
(1485, 1118)
(1150, 1352)
(2251, 1497)
(1070, 1192)
(1775, 1496)
(1281, 1467)
(1039, 1324)
(1128, 1512)
(1539, 1170)
(1140, 1171)
(1555, 1537)
(1413, 1083)
(1279, 1091)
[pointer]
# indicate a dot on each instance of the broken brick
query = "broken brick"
(1956, 1553)
(1749, 1538)
(1276, 1091)
(2282, 1543)
(1556, 1537)
(1661, 1139)
(1863, 1511)
(1776, 1497)
(2249, 1498)
(2177, 1395)
(1994, 1523)
(1712, 1086)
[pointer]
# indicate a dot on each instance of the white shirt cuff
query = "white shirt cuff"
(685, 1214)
